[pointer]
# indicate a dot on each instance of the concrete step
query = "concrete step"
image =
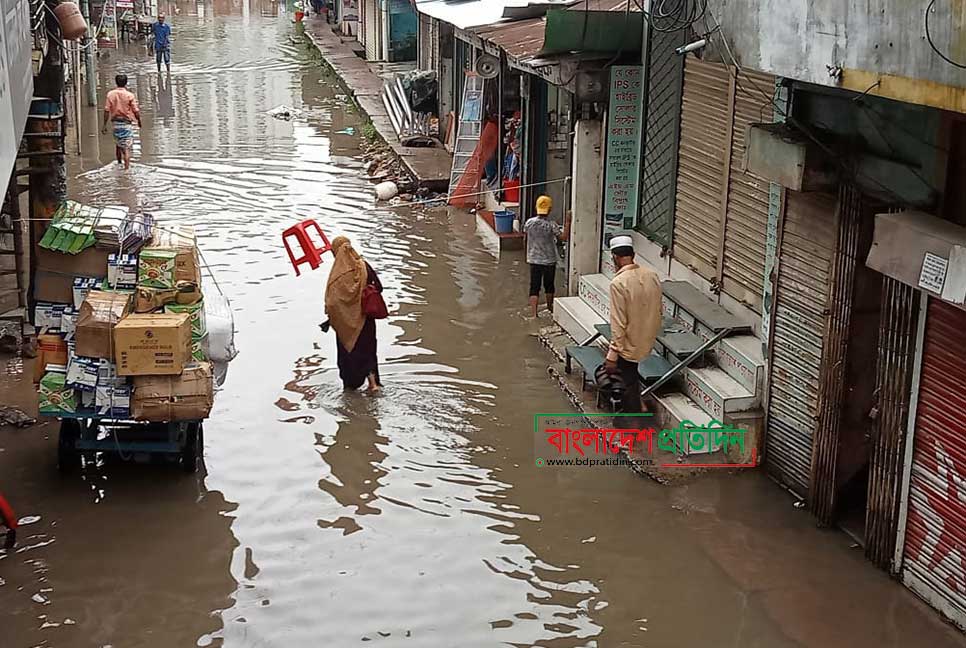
(576, 317)
(717, 393)
(741, 358)
(675, 408)
(696, 308)
(595, 290)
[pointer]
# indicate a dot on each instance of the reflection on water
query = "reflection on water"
(332, 518)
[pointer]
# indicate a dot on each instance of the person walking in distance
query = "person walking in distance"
(635, 322)
(542, 234)
(122, 111)
(162, 43)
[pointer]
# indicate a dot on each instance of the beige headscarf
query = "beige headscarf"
(343, 292)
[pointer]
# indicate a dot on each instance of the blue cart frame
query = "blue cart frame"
(85, 433)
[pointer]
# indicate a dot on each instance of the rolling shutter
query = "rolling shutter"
(804, 266)
(704, 143)
(743, 269)
(372, 31)
(935, 536)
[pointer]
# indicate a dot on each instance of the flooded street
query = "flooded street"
(414, 518)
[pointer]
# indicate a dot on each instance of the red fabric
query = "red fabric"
(466, 191)
(373, 304)
(7, 515)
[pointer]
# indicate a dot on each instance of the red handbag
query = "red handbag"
(373, 304)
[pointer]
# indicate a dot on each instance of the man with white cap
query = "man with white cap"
(635, 322)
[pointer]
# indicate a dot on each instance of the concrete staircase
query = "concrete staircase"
(726, 385)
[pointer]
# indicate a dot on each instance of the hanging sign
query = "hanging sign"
(622, 163)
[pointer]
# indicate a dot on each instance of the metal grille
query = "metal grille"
(662, 118)
(897, 342)
(804, 265)
(834, 360)
(705, 142)
(935, 534)
(743, 271)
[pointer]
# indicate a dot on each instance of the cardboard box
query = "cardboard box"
(196, 312)
(82, 373)
(99, 313)
(148, 300)
(88, 400)
(48, 315)
(181, 239)
(186, 397)
(156, 268)
(68, 322)
(54, 279)
(122, 270)
(113, 401)
(152, 344)
(81, 287)
(51, 350)
(55, 397)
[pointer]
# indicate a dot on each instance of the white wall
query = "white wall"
(586, 189)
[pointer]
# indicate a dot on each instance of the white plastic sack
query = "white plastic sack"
(386, 190)
(221, 326)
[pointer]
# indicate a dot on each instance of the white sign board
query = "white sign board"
(932, 277)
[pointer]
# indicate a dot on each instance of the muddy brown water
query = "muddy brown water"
(416, 518)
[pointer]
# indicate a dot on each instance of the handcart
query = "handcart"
(85, 433)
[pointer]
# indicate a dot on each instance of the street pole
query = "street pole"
(76, 91)
(89, 63)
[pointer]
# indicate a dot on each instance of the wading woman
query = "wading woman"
(353, 302)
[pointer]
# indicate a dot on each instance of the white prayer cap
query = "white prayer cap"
(621, 241)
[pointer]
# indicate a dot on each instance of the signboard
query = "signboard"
(933, 274)
(16, 80)
(622, 164)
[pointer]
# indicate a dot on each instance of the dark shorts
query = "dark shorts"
(542, 274)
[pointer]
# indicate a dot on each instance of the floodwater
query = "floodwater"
(415, 518)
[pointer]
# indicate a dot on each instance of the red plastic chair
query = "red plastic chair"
(311, 254)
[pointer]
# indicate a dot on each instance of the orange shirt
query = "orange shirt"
(122, 104)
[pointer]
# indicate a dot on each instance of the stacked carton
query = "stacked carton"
(127, 340)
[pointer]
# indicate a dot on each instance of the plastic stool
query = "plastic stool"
(310, 254)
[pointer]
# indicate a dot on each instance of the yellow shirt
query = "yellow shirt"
(635, 312)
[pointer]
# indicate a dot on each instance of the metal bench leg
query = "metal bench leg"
(567, 366)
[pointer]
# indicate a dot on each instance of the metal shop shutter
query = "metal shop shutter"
(743, 270)
(705, 124)
(804, 267)
(935, 535)
(372, 30)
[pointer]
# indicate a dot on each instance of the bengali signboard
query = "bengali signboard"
(622, 163)
(16, 80)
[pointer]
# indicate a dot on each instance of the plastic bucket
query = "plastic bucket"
(503, 221)
(511, 190)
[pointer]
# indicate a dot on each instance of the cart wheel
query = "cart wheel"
(68, 458)
(191, 453)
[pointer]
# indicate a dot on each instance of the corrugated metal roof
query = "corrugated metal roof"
(523, 39)
(464, 14)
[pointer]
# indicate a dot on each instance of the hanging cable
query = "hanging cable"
(667, 16)
(932, 44)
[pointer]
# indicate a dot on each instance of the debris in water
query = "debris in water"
(285, 112)
(28, 519)
(799, 504)
(386, 190)
(346, 131)
(589, 540)
(15, 417)
(40, 598)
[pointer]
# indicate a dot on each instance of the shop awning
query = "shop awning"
(592, 31)
(921, 251)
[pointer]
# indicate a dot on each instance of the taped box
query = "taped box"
(187, 397)
(152, 344)
(182, 240)
(51, 350)
(151, 299)
(98, 315)
(195, 311)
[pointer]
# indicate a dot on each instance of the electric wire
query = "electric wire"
(932, 43)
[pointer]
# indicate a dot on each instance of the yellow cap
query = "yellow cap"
(544, 204)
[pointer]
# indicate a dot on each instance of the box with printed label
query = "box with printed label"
(122, 270)
(48, 315)
(195, 311)
(51, 350)
(55, 397)
(152, 344)
(68, 322)
(82, 286)
(113, 400)
(156, 268)
(82, 373)
(199, 348)
(182, 240)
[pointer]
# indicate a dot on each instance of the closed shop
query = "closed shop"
(372, 32)
(746, 216)
(721, 214)
(934, 547)
(798, 327)
(705, 119)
